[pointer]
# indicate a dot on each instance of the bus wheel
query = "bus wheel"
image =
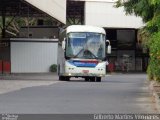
(86, 79)
(98, 79)
(67, 78)
(61, 78)
(92, 79)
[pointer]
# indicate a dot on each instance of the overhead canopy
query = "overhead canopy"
(36, 8)
(54, 8)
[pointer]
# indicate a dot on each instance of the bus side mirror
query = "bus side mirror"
(64, 44)
(109, 49)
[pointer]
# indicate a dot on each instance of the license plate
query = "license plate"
(85, 71)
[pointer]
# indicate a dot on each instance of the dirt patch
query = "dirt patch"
(155, 90)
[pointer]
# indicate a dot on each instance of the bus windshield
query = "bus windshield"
(85, 45)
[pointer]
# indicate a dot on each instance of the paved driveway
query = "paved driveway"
(115, 94)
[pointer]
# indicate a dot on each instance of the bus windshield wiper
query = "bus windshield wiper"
(87, 54)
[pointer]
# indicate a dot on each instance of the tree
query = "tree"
(13, 24)
(141, 8)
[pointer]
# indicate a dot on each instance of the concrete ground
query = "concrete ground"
(13, 82)
(117, 93)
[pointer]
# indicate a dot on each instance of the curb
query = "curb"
(155, 94)
(29, 76)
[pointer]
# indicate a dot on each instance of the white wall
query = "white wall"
(32, 57)
(103, 14)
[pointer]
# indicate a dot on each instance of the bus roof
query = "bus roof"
(85, 28)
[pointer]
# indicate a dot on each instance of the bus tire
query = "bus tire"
(61, 78)
(98, 79)
(92, 79)
(67, 78)
(64, 78)
(86, 79)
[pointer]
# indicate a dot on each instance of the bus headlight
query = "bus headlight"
(71, 68)
(100, 69)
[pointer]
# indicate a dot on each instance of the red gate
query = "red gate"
(5, 67)
(1, 66)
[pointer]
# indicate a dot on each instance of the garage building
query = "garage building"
(35, 49)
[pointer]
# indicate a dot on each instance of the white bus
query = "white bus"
(82, 53)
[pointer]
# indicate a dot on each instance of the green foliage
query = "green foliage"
(154, 2)
(142, 8)
(150, 73)
(53, 68)
(154, 66)
(143, 35)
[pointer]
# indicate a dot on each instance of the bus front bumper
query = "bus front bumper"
(83, 75)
